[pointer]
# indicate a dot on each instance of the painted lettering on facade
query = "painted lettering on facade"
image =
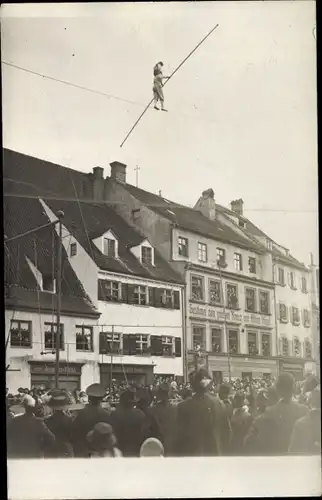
(231, 316)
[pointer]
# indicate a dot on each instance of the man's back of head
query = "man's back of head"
(285, 386)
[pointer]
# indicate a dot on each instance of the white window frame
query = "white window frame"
(203, 344)
(268, 303)
(202, 252)
(285, 319)
(293, 321)
(238, 261)
(278, 276)
(167, 341)
(202, 287)
(212, 302)
(83, 329)
(19, 328)
(270, 344)
(149, 249)
(218, 328)
(106, 241)
(253, 260)
(238, 340)
(237, 294)
(73, 246)
(139, 291)
(110, 285)
(303, 289)
(141, 342)
(53, 328)
(167, 297)
(115, 339)
(253, 332)
(185, 246)
(255, 299)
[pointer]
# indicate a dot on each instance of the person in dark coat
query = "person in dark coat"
(87, 418)
(27, 435)
(306, 436)
(278, 421)
(223, 393)
(150, 427)
(60, 425)
(253, 444)
(241, 421)
(202, 423)
(165, 415)
(128, 424)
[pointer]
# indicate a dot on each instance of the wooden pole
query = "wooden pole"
(58, 294)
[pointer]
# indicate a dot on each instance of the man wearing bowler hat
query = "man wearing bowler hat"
(60, 424)
(87, 418)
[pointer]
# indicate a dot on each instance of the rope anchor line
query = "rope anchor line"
(172, 74)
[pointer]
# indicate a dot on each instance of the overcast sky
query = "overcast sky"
(242, 111)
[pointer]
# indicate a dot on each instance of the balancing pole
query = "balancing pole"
(172, 74)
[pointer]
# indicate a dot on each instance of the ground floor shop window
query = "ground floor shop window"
(233, 341)
(199, 337)
(216, 339)
(252, 343)
(266, 344)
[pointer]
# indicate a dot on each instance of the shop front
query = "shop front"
(138, 374)
(241, 367)
(42, 374)
(295, 366)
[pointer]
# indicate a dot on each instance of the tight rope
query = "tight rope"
(172, 74)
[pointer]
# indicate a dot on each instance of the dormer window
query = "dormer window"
(48, 283)
(109, 247)
(146, 255)
(269, 244)
(241, 223)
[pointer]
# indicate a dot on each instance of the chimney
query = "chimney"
(118, 171)
(206, 204)
(237, 206)
(98, 172)
(98, 183)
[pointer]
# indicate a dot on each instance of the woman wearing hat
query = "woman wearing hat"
(102, 442)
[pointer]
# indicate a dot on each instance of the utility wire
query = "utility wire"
(172, 74)
(165, 204)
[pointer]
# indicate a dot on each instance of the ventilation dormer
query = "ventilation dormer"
(107, 244)
(46, 282)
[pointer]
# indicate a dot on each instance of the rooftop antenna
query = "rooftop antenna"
(137, 168)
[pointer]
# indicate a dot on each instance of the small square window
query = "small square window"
(73, 249)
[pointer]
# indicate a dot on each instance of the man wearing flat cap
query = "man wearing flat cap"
(87, 418)
(60, 424)
(203, 427)
(27, 435)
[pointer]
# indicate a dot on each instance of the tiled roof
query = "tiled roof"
(190, 219)
(28, 175)
(253, 230)
(22, 215)
(20, 298)
(88, 221)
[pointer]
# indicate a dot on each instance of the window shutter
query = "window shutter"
(124, 292)
(158, 292)
(126, 344)
(178, 347)
(130, 294)
(101, 292)
(151, 296)
(156, 345)
(102, 345)
(176, 300)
